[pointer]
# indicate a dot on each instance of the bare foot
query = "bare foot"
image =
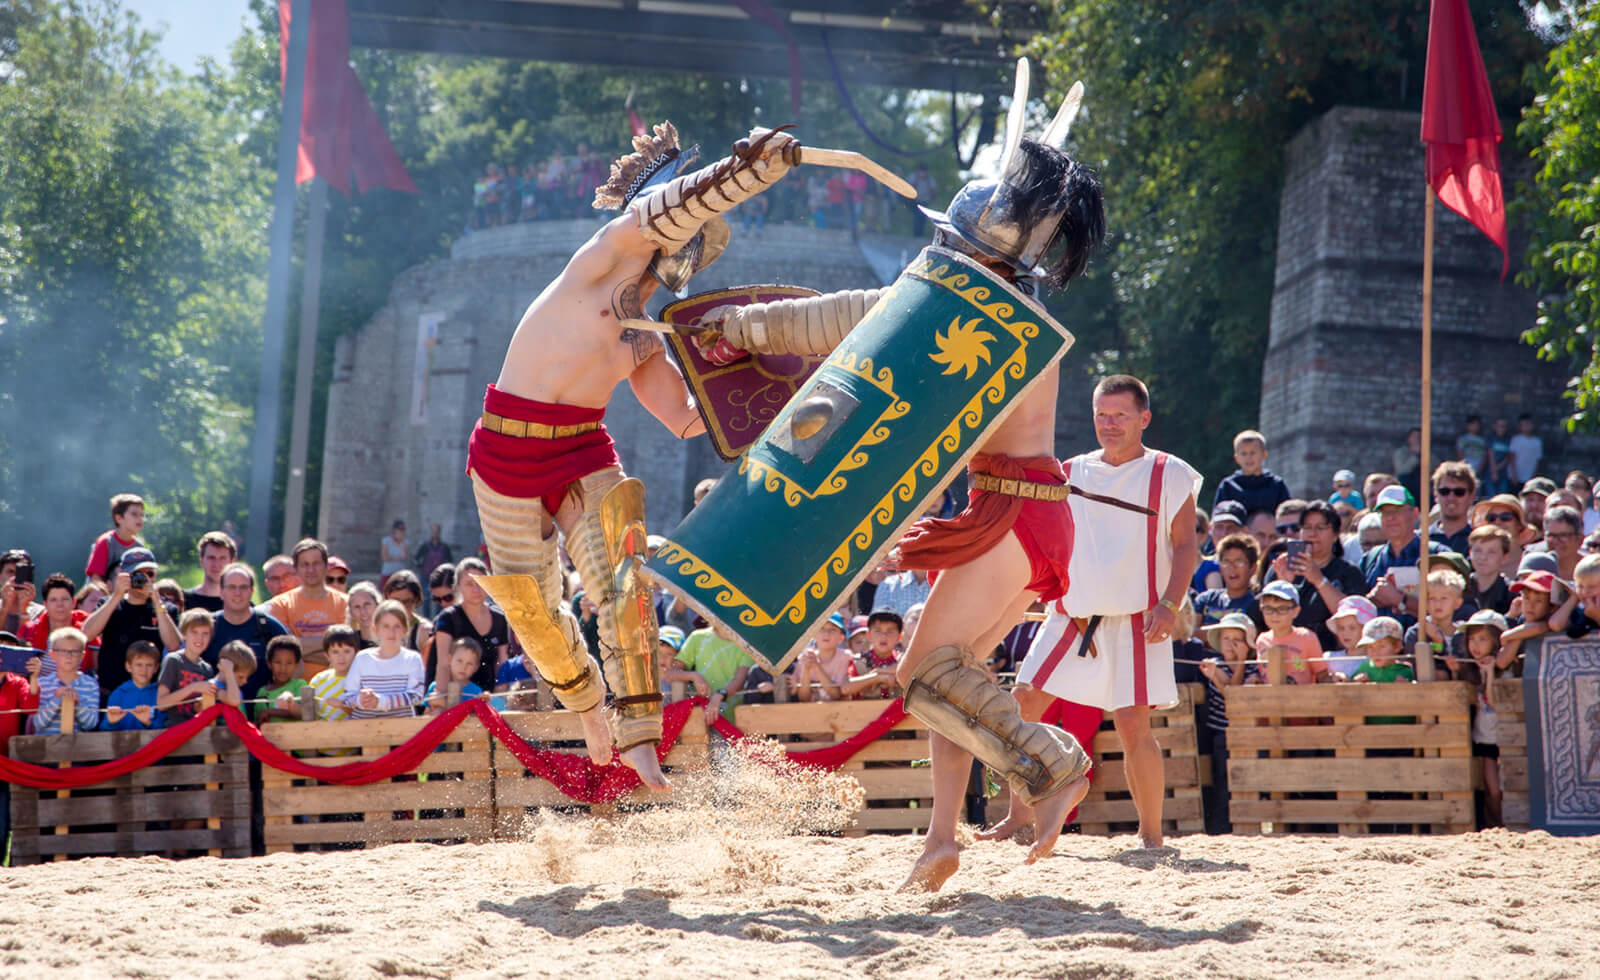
(1050, 813)
(642, 760)
(596, 735)
(934, 867)
(1152, 842)
(1019, 817)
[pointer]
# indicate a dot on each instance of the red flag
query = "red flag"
(1460, 125)
(635, 123)
(341, 139)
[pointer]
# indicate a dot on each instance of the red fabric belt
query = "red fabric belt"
(537, 468)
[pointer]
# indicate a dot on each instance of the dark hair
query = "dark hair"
(216, 539)
(141, 648)
(1455, 469)
(1124, 384)
(1054, 183)
(1327, 511)
(887, 616)
(308, 544)
(405, 578)
(345, 636)
(58, 581)
(468, 643)
(16, 556)
(442, 574)
(1525, 416)
(122, 501)
(1243, 542)
(285, 642)
(1474, 418)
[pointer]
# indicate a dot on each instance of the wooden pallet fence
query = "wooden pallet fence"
(1511, 732)
(195, 801)
(899, 791)
(450, 797)
(1109, 809)
(1348, 772)
(519, 793)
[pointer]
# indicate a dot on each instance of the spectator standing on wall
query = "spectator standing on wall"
(431, 553)
(1499, 458)
(1527, 450)
(1408, 461)
(393, 551)
(1252, 484)
(1472, 448)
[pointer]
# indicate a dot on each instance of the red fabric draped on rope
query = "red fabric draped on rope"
(573, 774)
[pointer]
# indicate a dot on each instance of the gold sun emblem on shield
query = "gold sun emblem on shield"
(962, 346)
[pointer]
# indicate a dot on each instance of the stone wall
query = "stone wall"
(1340, 385)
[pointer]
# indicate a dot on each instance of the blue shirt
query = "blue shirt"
(1213, 604)
(511, 672)
(1375, 564)
(128, 696)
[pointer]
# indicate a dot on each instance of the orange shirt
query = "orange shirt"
(305, 617)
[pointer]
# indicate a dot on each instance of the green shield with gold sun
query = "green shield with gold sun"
(859, 453)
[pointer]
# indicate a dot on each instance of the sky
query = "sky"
(192, 29)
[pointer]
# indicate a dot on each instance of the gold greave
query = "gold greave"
(810, 326)
(627, 626)
(962, 703)
(527, 587)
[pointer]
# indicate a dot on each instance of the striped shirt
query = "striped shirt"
(398, 682)
(330, 688)
(86, 712)
(1216, 703)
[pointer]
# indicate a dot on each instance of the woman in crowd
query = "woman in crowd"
(60, 611)
(1321, 575)
(471, 616)
(405, 588)
(1563, 533)
(363, 602)
(394, 551)
(90, 597)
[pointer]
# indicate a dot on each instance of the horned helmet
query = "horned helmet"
(1042, 206)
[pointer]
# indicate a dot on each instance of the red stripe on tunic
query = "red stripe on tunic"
(1152, 524)
(1141, 686)
(1056, 653)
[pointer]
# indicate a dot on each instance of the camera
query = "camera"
(24, 573)
(139, 579)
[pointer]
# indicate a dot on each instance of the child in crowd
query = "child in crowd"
(825, 671)
(518, 682)
(386, 681)
(672, 671)
(1302, 654)
(67, 645)
(1579, 615)
(1252, 484)
(1381, 643)
(860, 637)
(1483, 631)
(1532, 617)
(885, 628)
(284, 660)
(132, 706)
(1445, 589)
(1354, 612)
(466, 654)
(127, 520)
(340, 642)
(185, 676)
(1344, 490)
(1488, 548)
(1237, 556)
(1234, 637)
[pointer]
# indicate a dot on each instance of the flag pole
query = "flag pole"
(1424, 647)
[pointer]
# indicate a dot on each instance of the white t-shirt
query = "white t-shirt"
(1108, 568)
(398, 681)
(1526, 451)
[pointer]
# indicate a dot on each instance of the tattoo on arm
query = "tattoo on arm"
(625, 305)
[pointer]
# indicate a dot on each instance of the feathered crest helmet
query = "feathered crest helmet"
(1043, 211)
(656, 159)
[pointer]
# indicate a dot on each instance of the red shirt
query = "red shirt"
(36, 634)
(101, 556)
(14, 695)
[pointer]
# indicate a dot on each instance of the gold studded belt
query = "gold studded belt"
(519, 429)
(1025, 489)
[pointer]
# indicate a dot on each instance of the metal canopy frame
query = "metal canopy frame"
(931, 44)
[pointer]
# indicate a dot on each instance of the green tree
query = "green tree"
(1563, 206)
(1188, 109)
(130, 289)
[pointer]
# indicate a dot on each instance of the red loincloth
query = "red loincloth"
(543, 468)
(1043, 528)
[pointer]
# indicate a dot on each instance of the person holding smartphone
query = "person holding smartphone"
(17, 591)
(1315, 567)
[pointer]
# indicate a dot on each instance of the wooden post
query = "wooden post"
(213, 823)
(780, 688)
(679, 689)
(1423, 648)
(69, 725)
(452, 694)
(308, 703)
(1277, 676)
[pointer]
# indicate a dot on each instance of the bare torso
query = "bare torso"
(1030, 429)
(571, 348)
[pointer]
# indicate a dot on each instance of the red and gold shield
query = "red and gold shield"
(739, 400)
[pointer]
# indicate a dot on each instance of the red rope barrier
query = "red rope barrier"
(833, 756)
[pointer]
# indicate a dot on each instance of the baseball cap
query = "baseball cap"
(1394, 496)
(1357, 607)
(1281, 590)
(671, 636)
(1380, 628)
(1344, 476)
(1542, 485)
(1540, 581)
(334, 561)
(1232, 621)
(1537, 561)
(1486, 618)
(136, 558)
(1229, 510)
(1452, 560)
(857, 625)
(837, 622)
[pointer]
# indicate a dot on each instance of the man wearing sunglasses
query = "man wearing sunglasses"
(1454, 487)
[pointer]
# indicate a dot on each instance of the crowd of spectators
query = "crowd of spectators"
(1329, 584)
(562, 187)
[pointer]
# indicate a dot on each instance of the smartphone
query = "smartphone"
(14, 660)
(1294, 548)
(24, 574)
